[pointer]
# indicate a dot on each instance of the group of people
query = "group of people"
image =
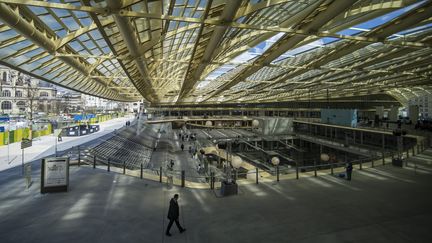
(187, 137)
(128, 123)
(193, 152)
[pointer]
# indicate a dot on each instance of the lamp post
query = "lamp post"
(228, 162)
(325, 157)
(236, 162)
(255, 124)
(275, 161)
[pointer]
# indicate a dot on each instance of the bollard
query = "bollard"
(277, 173)
(315, 169)
(94, 161)
(373, 163)
(141, 174)
(407, 153)
(160, 175)
(212, 180)
(109, 169)
(124, 168)
(331, 168)
(297, 173)
(79, 156)
(256, 171)
(182, 178)
(383, 158)
(361, 164)
(413, 151)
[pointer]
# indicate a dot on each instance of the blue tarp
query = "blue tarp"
(83, 117)
(4, 118)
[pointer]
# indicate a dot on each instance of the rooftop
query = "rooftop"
(204, 51)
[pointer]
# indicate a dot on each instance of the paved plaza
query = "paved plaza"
(381, 204)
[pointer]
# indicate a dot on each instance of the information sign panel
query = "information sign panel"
(55, 174)
(25, 143)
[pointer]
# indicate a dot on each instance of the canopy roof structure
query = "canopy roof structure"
(214, 51)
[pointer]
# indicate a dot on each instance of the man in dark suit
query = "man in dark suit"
(173, 215)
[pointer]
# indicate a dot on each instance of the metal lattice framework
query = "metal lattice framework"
(214, 51)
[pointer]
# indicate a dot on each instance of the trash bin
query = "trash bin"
(228, 189)
(397, 162)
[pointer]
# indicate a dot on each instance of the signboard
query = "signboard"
(25, 143)
(55, 174)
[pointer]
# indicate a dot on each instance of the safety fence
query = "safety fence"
(212, 179)
(17, 135)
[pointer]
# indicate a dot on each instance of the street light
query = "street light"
(236, 162)
(275, 161)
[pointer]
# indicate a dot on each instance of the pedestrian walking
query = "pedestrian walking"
(182, 147)
(169, 174)
(173, 215)
(349, 169)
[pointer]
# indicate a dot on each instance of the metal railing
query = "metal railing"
(212, 177)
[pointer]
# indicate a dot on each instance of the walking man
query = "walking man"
(173, 215)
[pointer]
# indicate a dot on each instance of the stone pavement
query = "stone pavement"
(169, 148)
(381, 204)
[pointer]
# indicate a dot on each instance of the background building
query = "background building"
(96, 104)
(20, 93)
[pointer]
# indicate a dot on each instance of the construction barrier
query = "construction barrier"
(17, 135)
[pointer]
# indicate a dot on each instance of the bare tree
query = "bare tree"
(32, 102)
(61, 106)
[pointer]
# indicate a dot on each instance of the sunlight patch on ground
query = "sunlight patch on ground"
(79, 209)
(319, 182)
(372, 175)
(340, 182)
(255, 190)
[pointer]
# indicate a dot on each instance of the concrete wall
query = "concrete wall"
(413, 113)
(379, 111)
(393, 113)
(275, 125)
